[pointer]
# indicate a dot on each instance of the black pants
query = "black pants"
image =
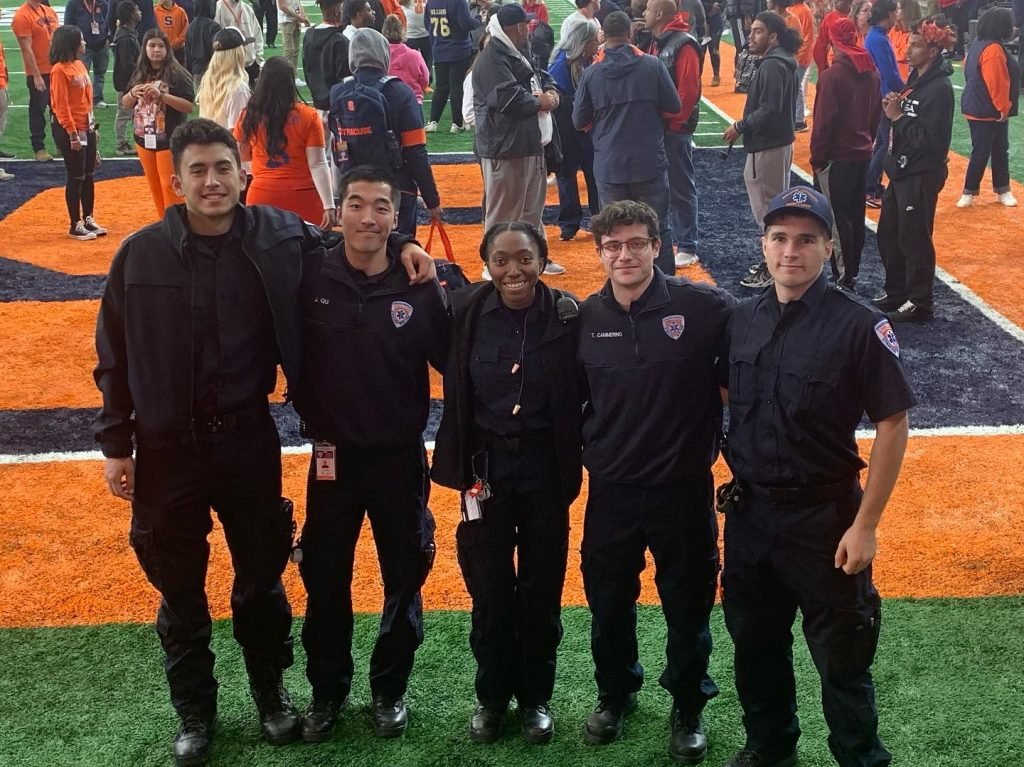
(716, 25)
(843, 182)
(267, 9)
(424, 46)
(905, 236)
(739, 26)
(678, 525)
(38, 103)
(391, 487)
(80, 165)
(779, 557)
(577, 155)
(450, 76)
(253, 70)
(239, 475)
(989, 140)
(517, 622)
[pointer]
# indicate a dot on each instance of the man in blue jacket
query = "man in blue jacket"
(883, 16)
(90, 16)
(621, 99)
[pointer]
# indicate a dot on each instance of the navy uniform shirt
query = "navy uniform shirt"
(800, 377)
(504, 339)
(654, 405)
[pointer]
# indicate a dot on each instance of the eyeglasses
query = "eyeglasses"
(636, 246)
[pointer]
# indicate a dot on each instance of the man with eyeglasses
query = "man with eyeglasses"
(648, 349)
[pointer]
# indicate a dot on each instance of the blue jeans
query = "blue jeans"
(653, 191)
(97, 60)
(682, 184)
(878, 154)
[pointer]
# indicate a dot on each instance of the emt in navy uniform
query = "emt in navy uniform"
(197, 313)
(364, 396)
(512, 425)
(648, 349)
(805, 361)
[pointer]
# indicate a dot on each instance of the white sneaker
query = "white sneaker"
(5, 176)
(1007, 199)
(457, 128)
(552, 179)
(965, 201)
(79, 232)
(92, 226)
(430, 127)
(100, 105)
(554, 269)
(485, 274)
(300, 83)
(685, 259)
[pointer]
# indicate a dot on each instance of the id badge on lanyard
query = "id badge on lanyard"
(326, 455)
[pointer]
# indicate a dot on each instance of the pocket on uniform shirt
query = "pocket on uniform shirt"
(742, 376)
(808, 384)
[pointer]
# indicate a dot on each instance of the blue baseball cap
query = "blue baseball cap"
(801, 199)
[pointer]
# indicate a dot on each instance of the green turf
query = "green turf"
(949, 677)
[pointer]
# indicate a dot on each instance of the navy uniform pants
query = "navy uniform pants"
(677, 523)
(517, 623)
(390, 486)
(780, 557)
(238, 474)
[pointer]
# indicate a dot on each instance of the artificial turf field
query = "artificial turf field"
(81, 679)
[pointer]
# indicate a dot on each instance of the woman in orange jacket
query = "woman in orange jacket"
(991, 93)
(74, 131)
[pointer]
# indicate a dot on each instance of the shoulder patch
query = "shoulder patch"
(885, 333)
(673, 325)
(401, 313)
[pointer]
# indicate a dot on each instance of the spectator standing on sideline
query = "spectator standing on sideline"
(538, 13)
(146, 12)
(990, 98)
(713, 11)
(741, 15)
(90, 16)
(860, 12)
(767, 124)
(357, 14)
(199, 40)
(407, 64)
(224, 95)
(240, 15)
(822, 52)
(173, 22)
(33, 24)
(574, 56)
(291, 31)
(266, 11)
(416, 35)
(74, 132)
(681, 54)
(922, 128)
(126, 49)
(4, 104)
(620, 100)
(585, 13)
(325, 56)
(909, 13)
(883, 16)
(804, 58)
(846, 114)
(449, 23)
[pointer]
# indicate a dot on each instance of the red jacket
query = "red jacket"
(686, 75)
(847, 109)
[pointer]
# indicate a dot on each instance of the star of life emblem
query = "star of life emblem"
(885, 333)
(401, 313)
(673, 326)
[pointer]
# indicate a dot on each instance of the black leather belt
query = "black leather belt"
(224, 423)
(808, 494)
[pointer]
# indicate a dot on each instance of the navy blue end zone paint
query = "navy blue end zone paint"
(26, 282)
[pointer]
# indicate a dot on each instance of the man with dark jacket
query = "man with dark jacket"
(922, 128)
(199, 39)
(681, 53)
(147, 22)
(193, 407)
(846, 113)
(91, 19)
(621, 99)
(126, 48)
(325, 55)
(368, 459)
(768, 122)
(512, 105)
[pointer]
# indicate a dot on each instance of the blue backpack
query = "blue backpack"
(360, 128)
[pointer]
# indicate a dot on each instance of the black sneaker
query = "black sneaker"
(911, 312)
(605, 722)
(92, 226)
(538, 723)
(762, 278)
(279, 719)
(887, 303)
(320, 719)
(873, 201)
(688, 744)
(79, 232)
(749, 758)
(487, 723)
(800, 128)
(390, 717)
(192, 743)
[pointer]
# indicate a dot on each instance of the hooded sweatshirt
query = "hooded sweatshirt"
(769, 112)
(622, 98)
(847, 110)
(324, 62)
(920, 139)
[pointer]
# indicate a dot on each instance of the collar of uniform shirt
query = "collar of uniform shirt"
(811, 298)
(199, 242)
(654, 296)
(493, 303)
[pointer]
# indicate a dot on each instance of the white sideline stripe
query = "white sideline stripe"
(968, 295)
(941, 431)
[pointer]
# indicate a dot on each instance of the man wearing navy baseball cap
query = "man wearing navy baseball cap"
(804, 361)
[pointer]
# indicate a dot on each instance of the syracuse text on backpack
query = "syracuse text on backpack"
(360, 129)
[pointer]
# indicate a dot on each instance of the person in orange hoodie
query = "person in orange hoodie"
(990, 99)
(74, 131)
(899, 35)
(173, 21)
(800, 19)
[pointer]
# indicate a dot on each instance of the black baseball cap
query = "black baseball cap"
(229, 38)
(801, 199)
(510, 15)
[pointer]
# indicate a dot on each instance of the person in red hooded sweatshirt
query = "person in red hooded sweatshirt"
(680, 51)
(823, 42)
(846, 114)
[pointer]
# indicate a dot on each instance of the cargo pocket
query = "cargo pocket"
(143, 542)
(852, 642)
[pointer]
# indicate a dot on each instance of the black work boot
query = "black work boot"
(750, 758)
(605, 722)
(192, 743)
(487, 723)
(279, 718)
(320, 718)
(389, 716)
(688, 744)
(538, 723)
